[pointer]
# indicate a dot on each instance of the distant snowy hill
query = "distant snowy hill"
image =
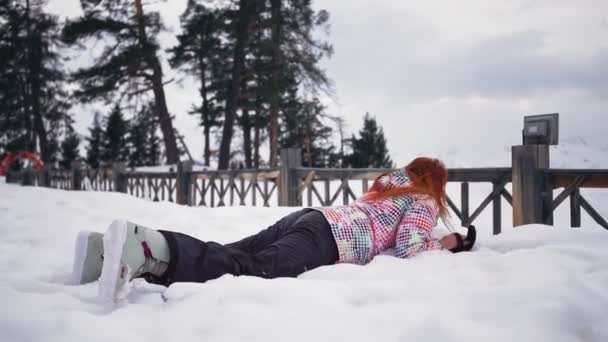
(575, 153)
(578, 153)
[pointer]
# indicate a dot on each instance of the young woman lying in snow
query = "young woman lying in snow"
(399, 212)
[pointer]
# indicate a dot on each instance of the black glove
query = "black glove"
(466, 243)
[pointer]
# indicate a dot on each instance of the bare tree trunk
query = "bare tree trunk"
(341, 130)
(160, 102)
(247, 9)
(246, 125)
(24, 98)
(257, 121)
(246, 122)
(205, 112)
(34, 55)
(275, 88)
(308, 145)
(35, 84)
(256, 147)
(256, 134)
(340, 123)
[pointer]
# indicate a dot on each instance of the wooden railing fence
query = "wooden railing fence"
(293, 185)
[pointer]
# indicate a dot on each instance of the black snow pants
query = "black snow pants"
(298, 242)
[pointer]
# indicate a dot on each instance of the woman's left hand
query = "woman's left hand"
(449, 241)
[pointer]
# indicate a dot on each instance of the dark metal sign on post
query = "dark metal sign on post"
(541, 129)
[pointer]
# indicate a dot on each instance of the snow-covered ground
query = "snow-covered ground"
(532, 283)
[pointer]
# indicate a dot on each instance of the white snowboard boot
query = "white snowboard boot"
(88, 257)
(130, 251)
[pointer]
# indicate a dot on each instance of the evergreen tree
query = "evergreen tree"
(129, 64)
(369, 149)
(247, 10)
(259, 99)
(115, 148)
(294, 50)
(96, 141)
(304, 125)
(14, 129)
(137, 142)
(201, 53)
(152, 156)
(281, 54)
(33, 105)
(69, 148)
(143, 141)
(246, 54)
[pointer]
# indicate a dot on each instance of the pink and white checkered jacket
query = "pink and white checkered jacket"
(366, 228)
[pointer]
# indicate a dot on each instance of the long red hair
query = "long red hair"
(427, 175)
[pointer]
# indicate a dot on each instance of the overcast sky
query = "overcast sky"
(446, 78)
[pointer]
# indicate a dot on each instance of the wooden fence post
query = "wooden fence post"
(289, 195)
(119, 177)
(496, 209)
(76, 169)
(10, 177)
(532, 191)
(44, 176)
(464, 203)
(183, 185)
(575, 208)
(27, 176)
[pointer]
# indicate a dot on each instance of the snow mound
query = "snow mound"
(532, 283)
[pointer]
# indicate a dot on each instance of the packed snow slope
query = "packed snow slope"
(532, 283)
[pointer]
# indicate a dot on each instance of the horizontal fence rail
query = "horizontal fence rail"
(61, 179)
(242, 187)
(95, 179)
(531, 199)
(317, 182)
(315, 189)
(573, 180)
(155, 186)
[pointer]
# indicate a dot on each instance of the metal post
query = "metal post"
(532, 193)
(289, 195)
(184, 186)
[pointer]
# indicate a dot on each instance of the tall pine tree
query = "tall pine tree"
(96, 141)
(69, 148)
(128, 65)
(115, 148)
(369, 149)
(144, 149)
(15, 132)
(295, 51)
(304, 124)
(247, 56)
(242, 24)
(33, 105)
(202, 53)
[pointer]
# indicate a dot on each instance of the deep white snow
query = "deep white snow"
(532, 283)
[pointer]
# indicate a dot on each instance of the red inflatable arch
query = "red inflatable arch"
(11, 157)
